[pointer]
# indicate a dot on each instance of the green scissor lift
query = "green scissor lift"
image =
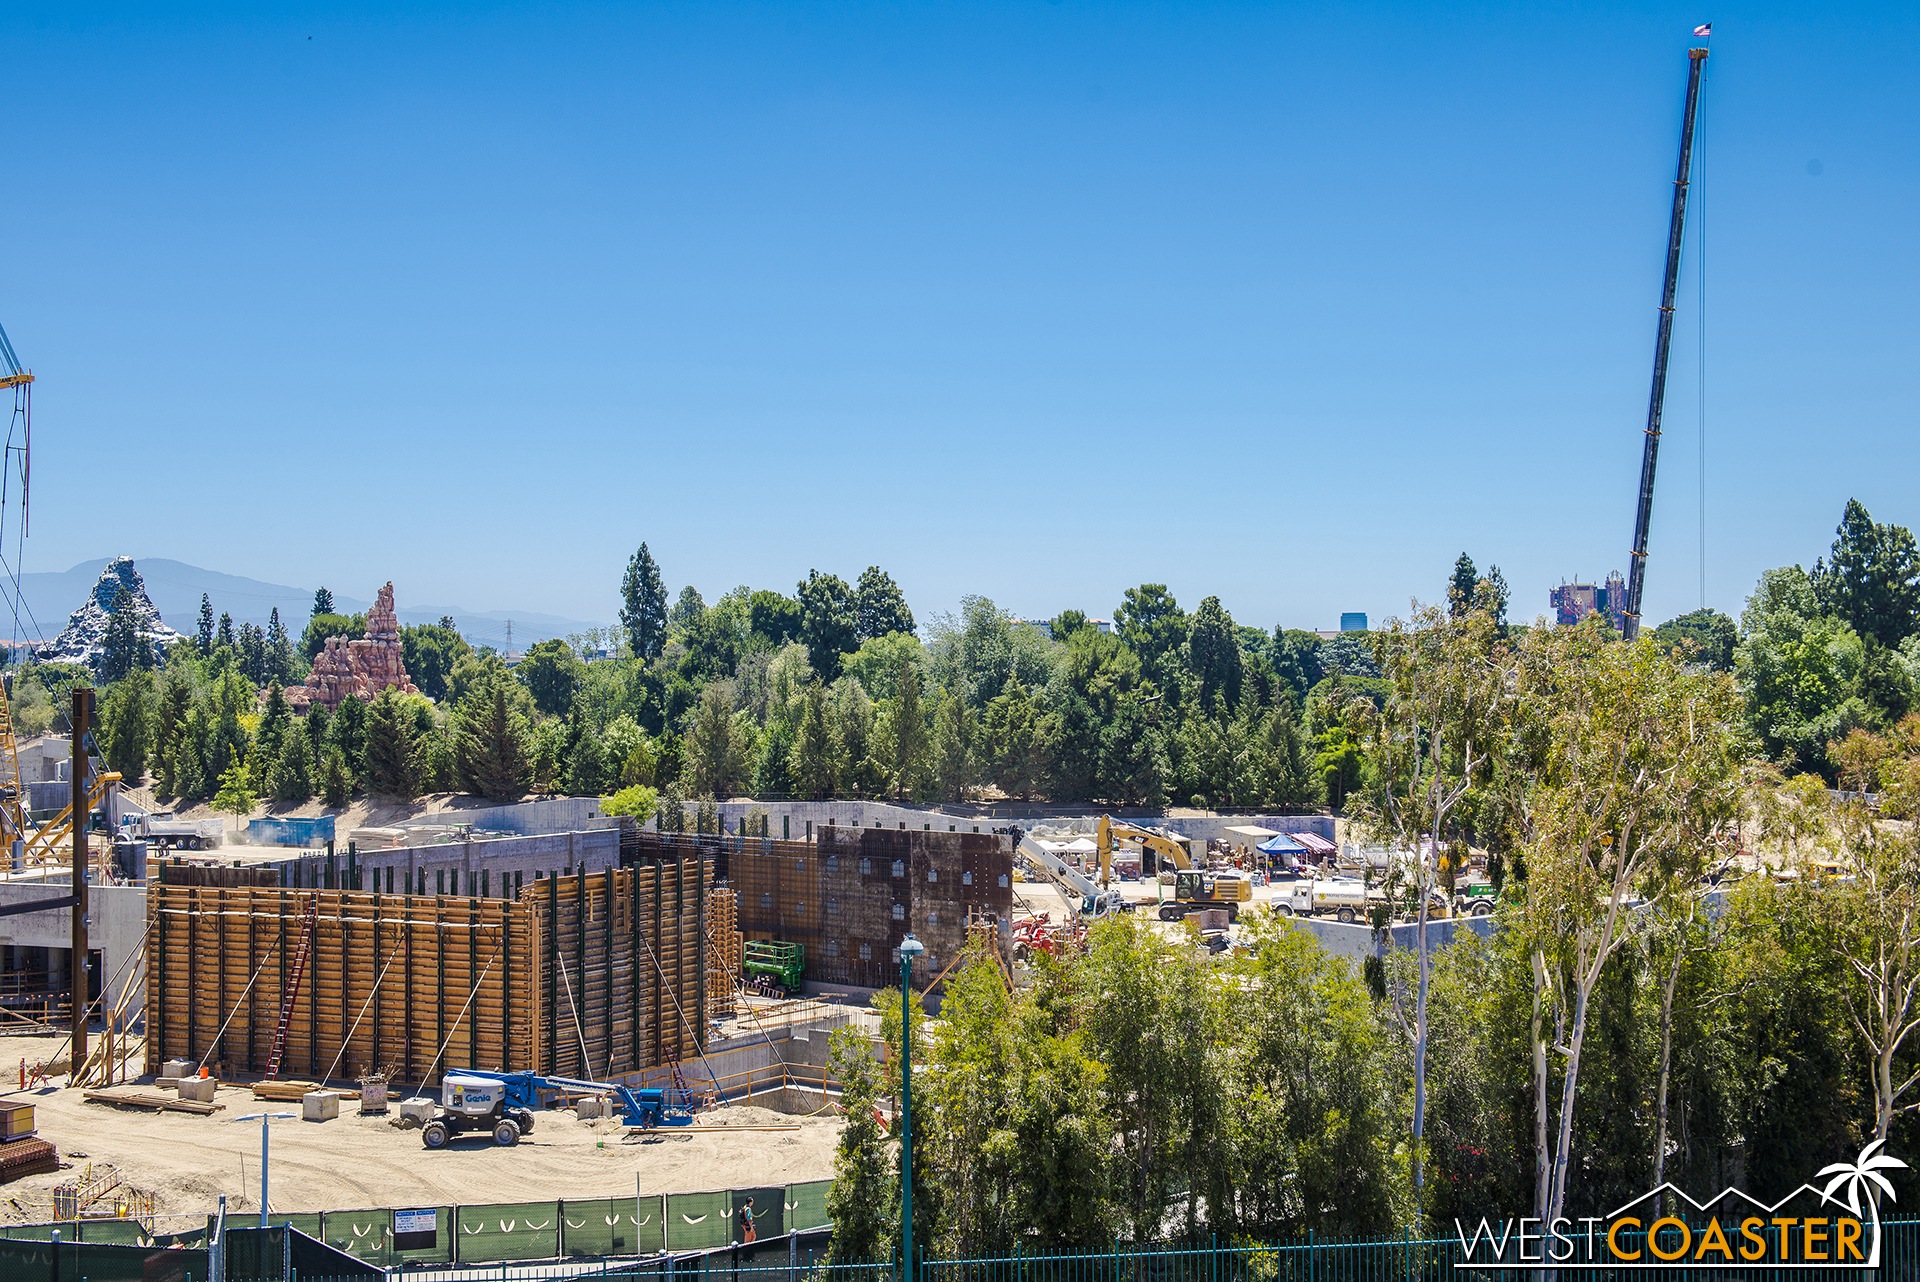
(783, 964)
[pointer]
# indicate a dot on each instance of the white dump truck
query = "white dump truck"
(164, 830)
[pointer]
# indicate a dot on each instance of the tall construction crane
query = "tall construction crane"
(1643, 517)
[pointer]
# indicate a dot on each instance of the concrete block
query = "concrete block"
(419, 1109)
(177, 1068)
(199, 1088)
(590, 1108)
(319, 1106)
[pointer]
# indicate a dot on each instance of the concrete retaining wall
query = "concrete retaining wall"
(1356, 941)
(116, 923)
(457, 867)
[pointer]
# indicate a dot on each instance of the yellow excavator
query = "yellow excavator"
(1113, 830)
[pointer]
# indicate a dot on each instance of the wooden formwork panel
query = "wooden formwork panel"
(618, 960)
(724, 948)
(593, 975)
(399, 983)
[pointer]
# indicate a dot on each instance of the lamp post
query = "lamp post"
(264, 1119)
(910, 948)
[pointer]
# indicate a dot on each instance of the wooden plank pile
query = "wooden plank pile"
(144, 1099)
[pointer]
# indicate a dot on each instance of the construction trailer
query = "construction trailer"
(594, 975)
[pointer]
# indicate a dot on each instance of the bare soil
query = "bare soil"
(350, 1161)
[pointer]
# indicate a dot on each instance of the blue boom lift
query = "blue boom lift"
(476, 1100)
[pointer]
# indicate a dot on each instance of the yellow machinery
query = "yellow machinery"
(1112, 830)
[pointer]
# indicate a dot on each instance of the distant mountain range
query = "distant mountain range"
(175, 589)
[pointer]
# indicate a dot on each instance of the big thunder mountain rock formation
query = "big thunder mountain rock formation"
(360, 669)
(84, 639)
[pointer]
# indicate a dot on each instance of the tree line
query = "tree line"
(1703, 969)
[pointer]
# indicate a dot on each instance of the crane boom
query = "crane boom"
(1643, 517)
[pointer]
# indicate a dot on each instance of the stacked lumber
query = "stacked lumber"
(294, 1092)
(24, 1157)
(141, 1099)
(724, 947)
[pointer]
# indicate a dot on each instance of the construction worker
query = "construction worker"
(746, 1222)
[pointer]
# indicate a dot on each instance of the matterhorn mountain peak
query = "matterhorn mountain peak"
(84, 638)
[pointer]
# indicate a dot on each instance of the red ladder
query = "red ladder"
(309, 919)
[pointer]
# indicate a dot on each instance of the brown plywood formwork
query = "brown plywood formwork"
(419, 985)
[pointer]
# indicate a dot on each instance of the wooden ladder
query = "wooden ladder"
(309, 919)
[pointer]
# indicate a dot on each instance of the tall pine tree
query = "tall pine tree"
(643, 609)
(203, 639)
(490, 755)
(393, 765)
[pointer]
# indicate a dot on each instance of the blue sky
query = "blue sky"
(1284, 303)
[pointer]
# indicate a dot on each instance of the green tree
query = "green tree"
(322, 626)
(551, 674)
(128, 717)
(1213, 653)
(322, 603)
(639, 801)
(878, 605)
(1461, 587)
(1015, 745)
(348, 730)
(586, 759)
(1800, 669)
(956, 763)
(125, 648)
(643, 609)
(223, 636)
(1873, 578)
(877, 662)
(279, 649)
(337, 786)
(290, 778)
(203, 638)
(773, 618)
(1154, 627)
(716, 748)
(862, 1203)
(1133, 769)
(817, 757)
(1295, 656)
(430, 651)
(1708, 636)
(490, 748)
(235, 796)
(393, 766)
(175, 708)
(972, 656)
(687, 610)
(907, 747)
(829, 625)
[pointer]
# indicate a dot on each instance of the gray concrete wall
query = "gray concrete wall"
(866, 814)
(116, 926)
(532, 818)
(1356, 941)
(460, 863)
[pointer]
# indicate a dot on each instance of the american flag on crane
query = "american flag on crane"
(1704, 30)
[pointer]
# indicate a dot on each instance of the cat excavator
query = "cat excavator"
(1112, 830)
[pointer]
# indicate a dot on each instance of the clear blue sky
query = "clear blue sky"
(1284, 303)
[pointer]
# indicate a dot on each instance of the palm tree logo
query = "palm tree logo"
(1864, 1183)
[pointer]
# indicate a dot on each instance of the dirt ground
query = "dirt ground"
(351, 1161)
